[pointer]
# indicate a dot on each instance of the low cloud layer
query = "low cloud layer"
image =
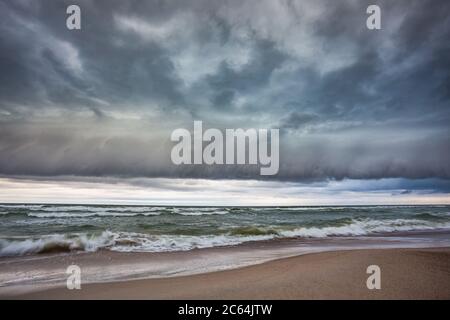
(163, 191)
(102, 101)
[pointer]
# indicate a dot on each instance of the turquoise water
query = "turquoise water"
(32, 229)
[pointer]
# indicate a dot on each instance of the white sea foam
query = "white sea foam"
(164, 243)
(118, 241)
(55, 243)
(343, 208)
(97, 209)
(22, 206)
(89, 214)
(197, 212)
(366, 227)
(139, 242)
(83, 211)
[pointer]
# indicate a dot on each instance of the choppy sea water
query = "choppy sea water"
(33, 229)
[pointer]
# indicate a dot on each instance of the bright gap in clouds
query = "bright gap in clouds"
(197, 192)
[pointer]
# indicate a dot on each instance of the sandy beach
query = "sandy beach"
(405, 274)
(224, 150)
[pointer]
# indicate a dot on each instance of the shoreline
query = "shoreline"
(325, 275)
(23, 276)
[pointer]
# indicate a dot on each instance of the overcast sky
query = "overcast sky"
(362, 113)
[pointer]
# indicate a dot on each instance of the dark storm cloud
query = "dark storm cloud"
(296, 120)
(50, 65)
(350, 102)
(225, 81)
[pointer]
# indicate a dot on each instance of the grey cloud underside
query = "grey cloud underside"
(350, 103)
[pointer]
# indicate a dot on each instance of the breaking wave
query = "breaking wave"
(55, 244)
(140, 242)
(81, 211)
(89, 214)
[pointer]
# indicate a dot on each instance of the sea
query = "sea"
(33, 229)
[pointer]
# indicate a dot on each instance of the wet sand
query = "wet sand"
(405, 274)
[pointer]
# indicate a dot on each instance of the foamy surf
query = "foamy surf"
(125, 241)
(117, 241)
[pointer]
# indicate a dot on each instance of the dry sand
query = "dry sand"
(405, 274)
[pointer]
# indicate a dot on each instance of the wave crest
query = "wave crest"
(139, 242)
